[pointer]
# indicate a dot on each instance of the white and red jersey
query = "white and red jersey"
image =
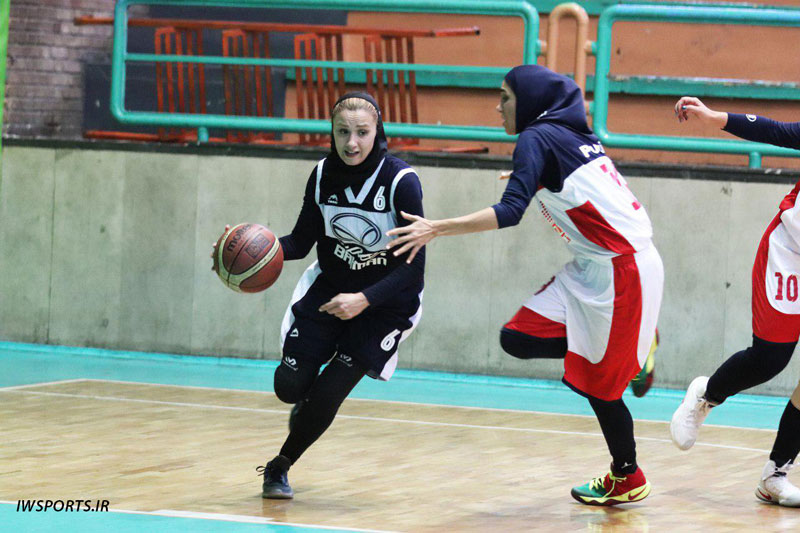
(605, 302)
(776, 275)
(790, 215)
(577, 188)
(776, 271)
(595, 212)
(783, 266)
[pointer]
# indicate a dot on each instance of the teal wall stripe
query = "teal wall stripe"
(30, 363)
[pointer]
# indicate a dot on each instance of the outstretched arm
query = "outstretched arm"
(689, 106)
(764, 130)
(529, 158)
(749, 127)
(421, 231)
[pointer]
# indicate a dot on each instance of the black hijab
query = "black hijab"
(338, 175)
(546, 96)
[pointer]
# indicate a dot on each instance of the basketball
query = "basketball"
(248, 258)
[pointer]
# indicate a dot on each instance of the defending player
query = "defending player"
(357, 302)
(776, 315)
(599, 312)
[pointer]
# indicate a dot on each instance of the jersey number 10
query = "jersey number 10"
(791, 287)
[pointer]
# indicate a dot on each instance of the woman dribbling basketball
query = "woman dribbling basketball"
(356, 303)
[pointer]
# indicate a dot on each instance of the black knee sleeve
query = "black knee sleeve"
(292, 382)
(775, 354)
(756, 365)
(524, 346)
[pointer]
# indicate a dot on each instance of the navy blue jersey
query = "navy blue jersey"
(561, 162)
(545, 155)
(554, 138)
(764, 130)
(349, 229)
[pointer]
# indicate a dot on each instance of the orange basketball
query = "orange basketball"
(248, 258)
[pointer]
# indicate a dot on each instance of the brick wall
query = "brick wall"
(46, 54)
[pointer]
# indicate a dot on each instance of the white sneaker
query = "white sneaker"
(690, 414)
(775, 487)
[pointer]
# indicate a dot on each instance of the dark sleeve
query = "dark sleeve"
(529, 159)
(407, 198)
(764, 130)
(309, 226)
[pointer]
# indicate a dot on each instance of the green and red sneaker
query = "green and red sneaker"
(644, 379)
(613, 490)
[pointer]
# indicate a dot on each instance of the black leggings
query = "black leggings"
(524, 346)
(787, 441)
(756, 365)
(614, 418)
(322, 395)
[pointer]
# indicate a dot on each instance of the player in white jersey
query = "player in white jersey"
(599, 312)
(355, 304)
(776, 315)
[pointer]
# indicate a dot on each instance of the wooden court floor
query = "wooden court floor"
(387, 466)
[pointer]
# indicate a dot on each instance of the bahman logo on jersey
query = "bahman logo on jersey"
(355, 229)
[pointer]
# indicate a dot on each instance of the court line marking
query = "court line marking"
(43, 384)
(198, 387)
(207, 516)
(356, 417)
(398, 402)
(245, 519)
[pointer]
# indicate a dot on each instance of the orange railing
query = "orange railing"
(248, 89)
(583, 46)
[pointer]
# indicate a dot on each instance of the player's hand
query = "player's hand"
(345, 306)
(689, 106)
(412, 237)
(214, 265)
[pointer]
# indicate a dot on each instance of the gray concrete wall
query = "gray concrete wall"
(111, 249)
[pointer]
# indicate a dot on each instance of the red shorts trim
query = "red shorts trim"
(532, 323)
(770, 324)
(608, 379)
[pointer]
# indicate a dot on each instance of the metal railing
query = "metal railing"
(250, 90)
(602, 81)
(685, 14)
(503, 8)
(583, 45)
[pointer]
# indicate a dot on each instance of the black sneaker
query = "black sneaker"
(276, 479)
